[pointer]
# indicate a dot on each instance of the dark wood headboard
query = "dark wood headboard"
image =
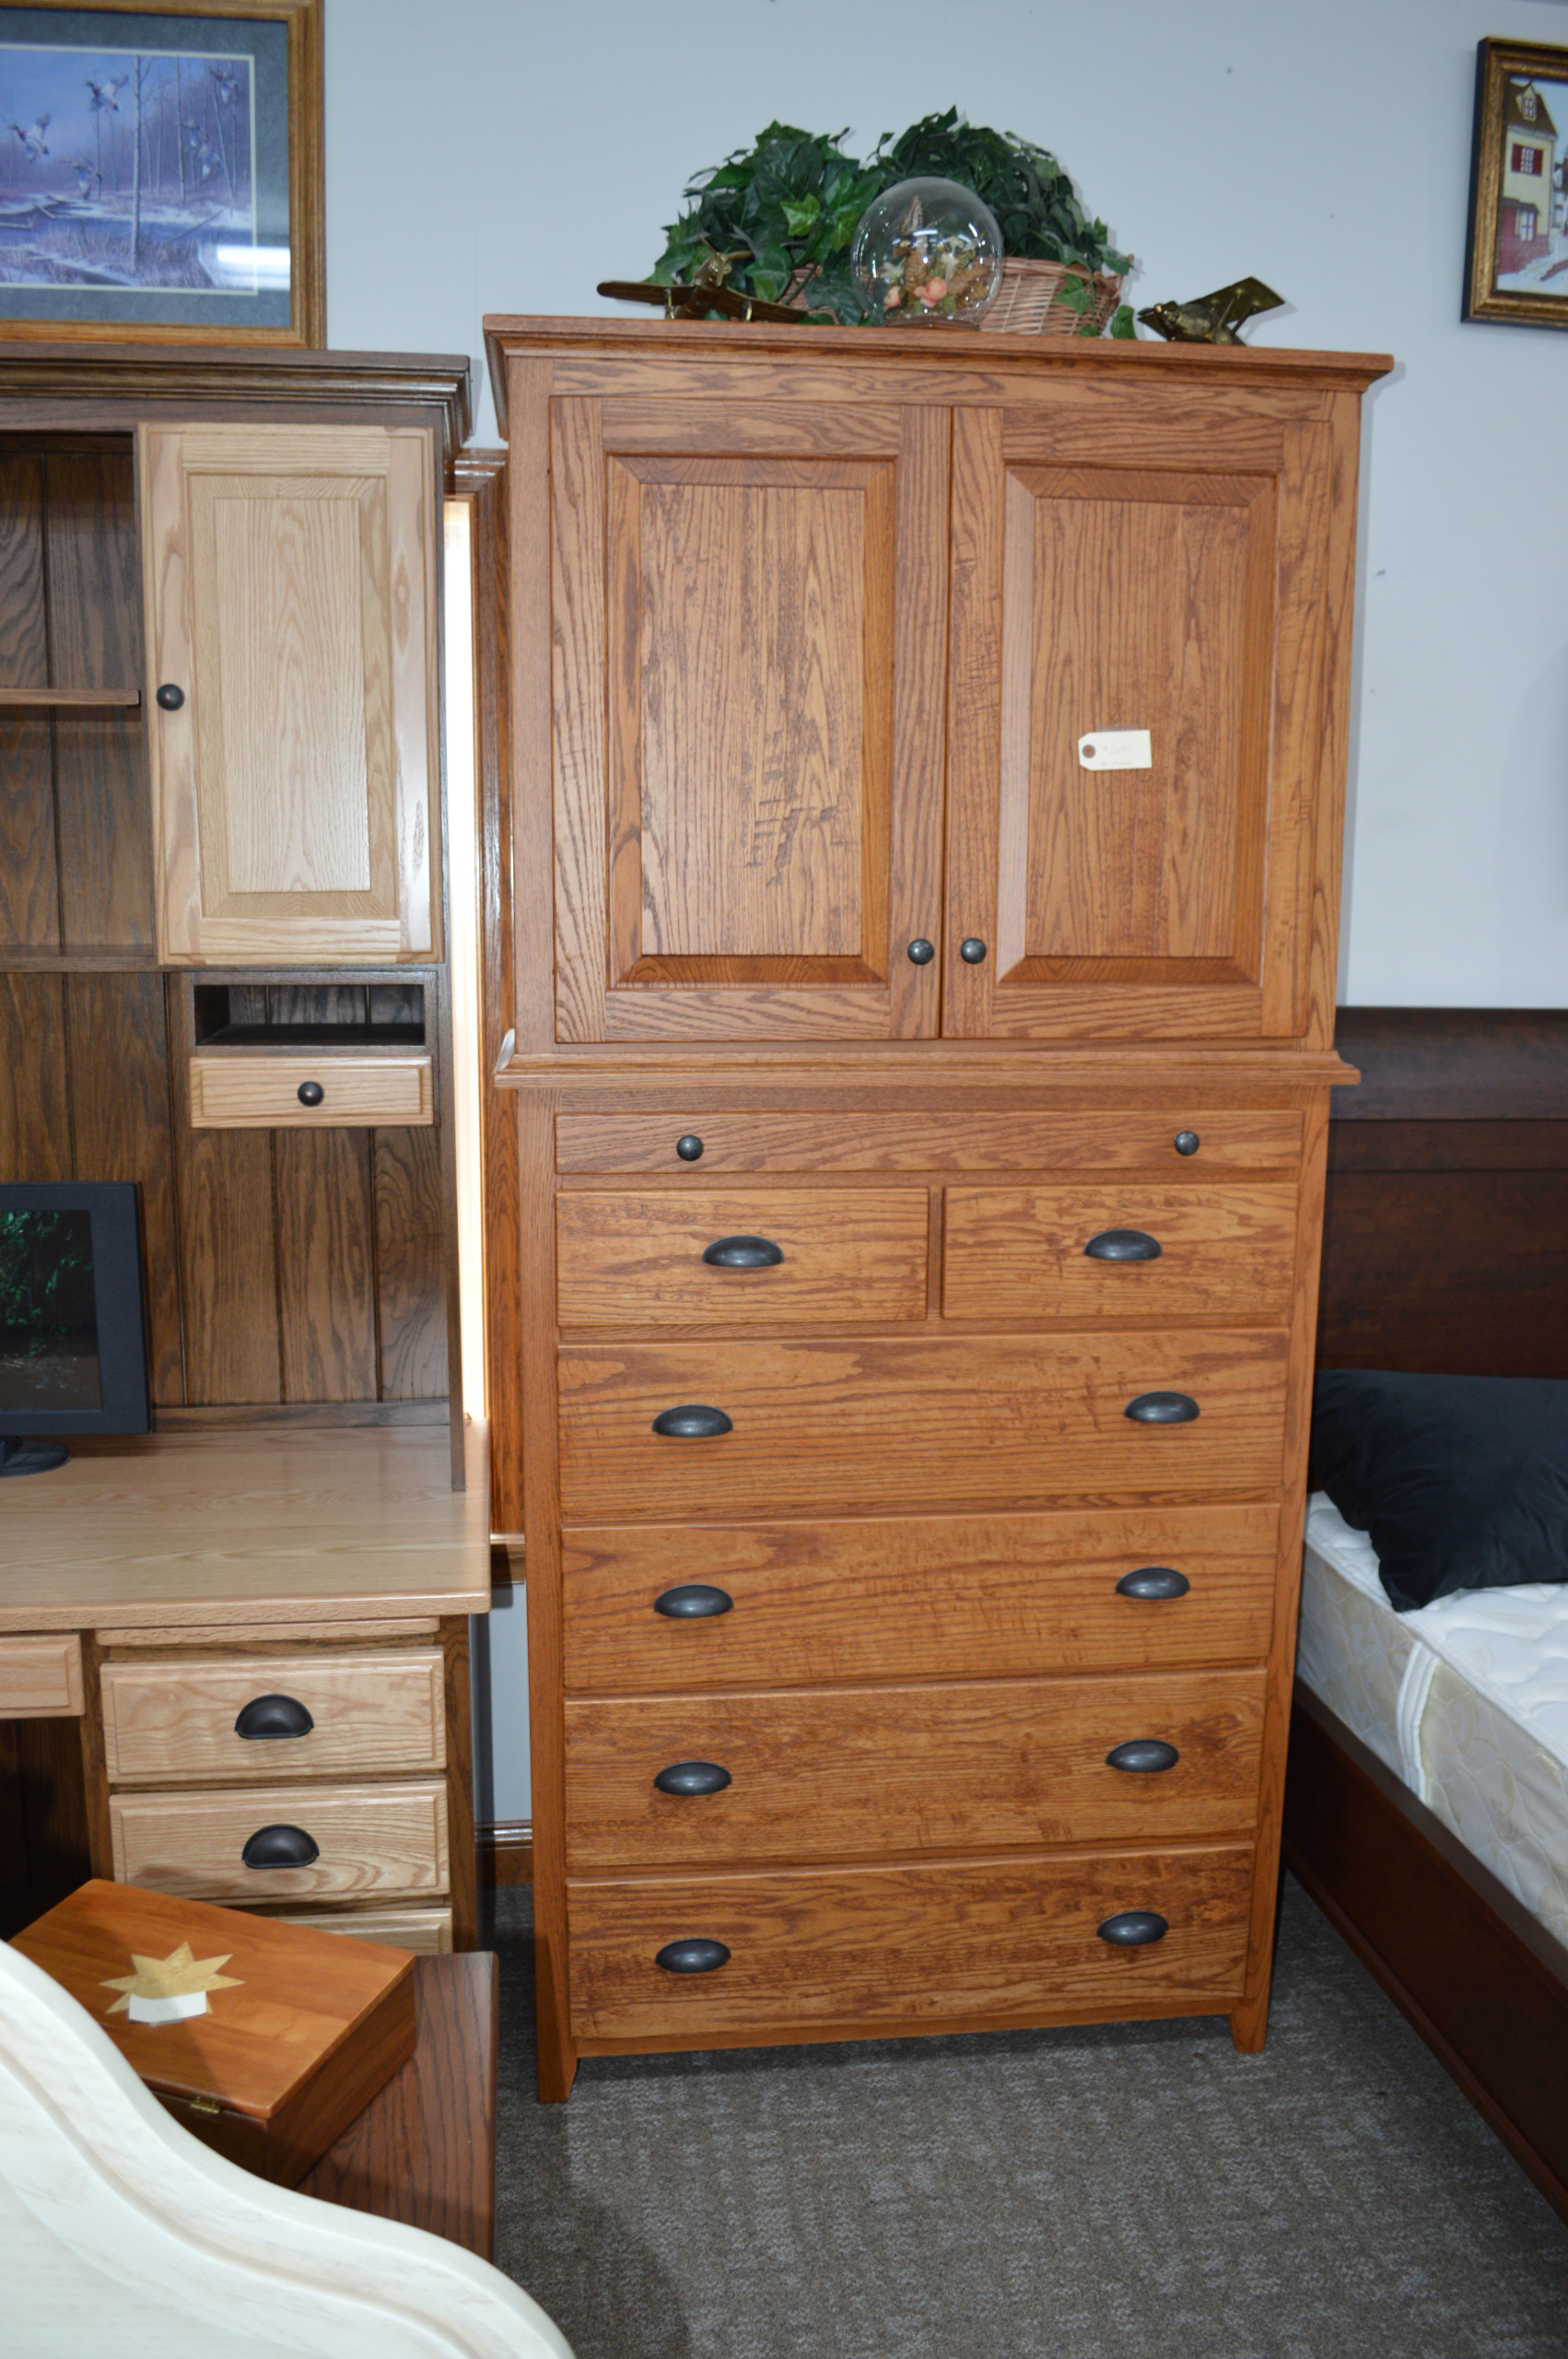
(1446, 1235)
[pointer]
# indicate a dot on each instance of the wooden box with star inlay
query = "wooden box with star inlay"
(280, 2034)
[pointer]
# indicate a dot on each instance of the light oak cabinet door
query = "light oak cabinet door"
(1146, 598)
(749, 604)
(291, 605)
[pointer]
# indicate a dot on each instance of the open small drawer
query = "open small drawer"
(268, 1090)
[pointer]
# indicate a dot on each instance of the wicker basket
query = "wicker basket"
(1027, 304)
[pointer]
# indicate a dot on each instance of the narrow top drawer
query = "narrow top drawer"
(1264, 1139)
(310, 1091)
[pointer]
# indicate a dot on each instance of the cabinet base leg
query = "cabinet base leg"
(1249, 2023)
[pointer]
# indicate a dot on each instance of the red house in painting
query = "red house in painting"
(1529, 157)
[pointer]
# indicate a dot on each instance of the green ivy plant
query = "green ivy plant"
(784, 212)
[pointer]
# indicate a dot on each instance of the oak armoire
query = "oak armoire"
(915, 868)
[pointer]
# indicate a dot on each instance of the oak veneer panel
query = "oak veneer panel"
(997, 1939)
(326, 1266)
(411, 1302)
(35, 1108)
(1020, 1252)
(259, 1089)
(120, 1114)
(100, 762)
(40, 1678)
(371, 1713)
(377, 1842)
(898, 1597)
(875, 1773)
(885, 1423)
(904, 1142)
(629, 1260)
(30, 914)
(229, 1267)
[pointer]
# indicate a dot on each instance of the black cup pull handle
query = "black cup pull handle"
(1134, 1928)
(693, 1955)
(694, 1601)
(693, 1421)
(1142, 1755)
(1161, 1409)
(273, 1715)
(693, 1777)
(281, 1847)
(1123, 1245)
(743, 1253)
(1154, 1581)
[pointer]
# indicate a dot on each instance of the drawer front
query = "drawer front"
(1266, 1140)
(373, 1842)
(856, 1773)
(631, 1259)
(356, 1713)
(1158, 1252)
(40, 1679)
(900, 1424)
(903, 1597)
(427, 1931)
(258, 1091)
(863, 1948)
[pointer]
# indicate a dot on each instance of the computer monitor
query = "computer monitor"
(73, 1336)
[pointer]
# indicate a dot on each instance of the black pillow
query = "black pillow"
(1461, 1481)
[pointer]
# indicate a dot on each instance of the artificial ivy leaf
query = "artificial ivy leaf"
(1121, 324)
(802, 214)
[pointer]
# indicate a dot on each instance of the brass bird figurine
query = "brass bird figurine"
(1212, 319)
(706, 290)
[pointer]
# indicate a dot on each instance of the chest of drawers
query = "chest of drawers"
(906, 1178)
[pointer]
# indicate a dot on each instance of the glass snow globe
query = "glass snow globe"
(928, 249)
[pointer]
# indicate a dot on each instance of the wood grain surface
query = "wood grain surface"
(628, 1260)
(1101, 1139)
(259, 1090)
(325, 1265)
(872, 1423)
(40, 1678)
(892, 1771)
(896, 1597)
(1009, 1939)
(29, 903)
(425, 1932)
(1022, 1252)
(377, 1842)
(371, 1713)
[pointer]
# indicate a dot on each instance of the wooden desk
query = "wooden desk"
(175, 1573)
(424, 2151)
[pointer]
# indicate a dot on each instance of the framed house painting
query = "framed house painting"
(161, 173)
(1516, 263)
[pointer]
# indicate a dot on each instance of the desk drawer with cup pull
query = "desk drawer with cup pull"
(738, 1257)
(286, 1842)
(259, 1717)
(263, 1090)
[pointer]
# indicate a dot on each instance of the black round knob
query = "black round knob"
(972, 951)
(281, 1847)
(1187, 1142)
(1154, 1581)
(693, 1601)
(1133, 1928)
(921, 951)
(1143, 1755)
(168, 698)
(693, 1955)
(689, 1149)
(310, 1093)
(693, 1777)
(273, 1715)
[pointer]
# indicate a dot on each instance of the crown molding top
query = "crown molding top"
(153, 377)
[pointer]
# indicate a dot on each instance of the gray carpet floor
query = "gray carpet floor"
(1131, 2191)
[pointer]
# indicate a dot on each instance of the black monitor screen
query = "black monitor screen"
(48, 1312)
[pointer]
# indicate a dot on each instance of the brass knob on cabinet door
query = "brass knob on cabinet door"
(167, 697)
(310, 1093)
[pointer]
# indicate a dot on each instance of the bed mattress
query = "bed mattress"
(1466, 1701)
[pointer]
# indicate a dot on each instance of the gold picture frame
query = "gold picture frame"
(238, 175)
(1516, 251)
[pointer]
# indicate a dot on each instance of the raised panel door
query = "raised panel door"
(290, 600)
(748, 673)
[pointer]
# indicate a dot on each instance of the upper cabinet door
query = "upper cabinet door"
(749, 641)
(1148, 597)
(291, 605)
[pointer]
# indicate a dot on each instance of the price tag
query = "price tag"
(1116, 749)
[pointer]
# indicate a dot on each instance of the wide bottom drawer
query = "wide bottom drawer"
(997, 1939)
(833, 1773)
(353, 1842)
